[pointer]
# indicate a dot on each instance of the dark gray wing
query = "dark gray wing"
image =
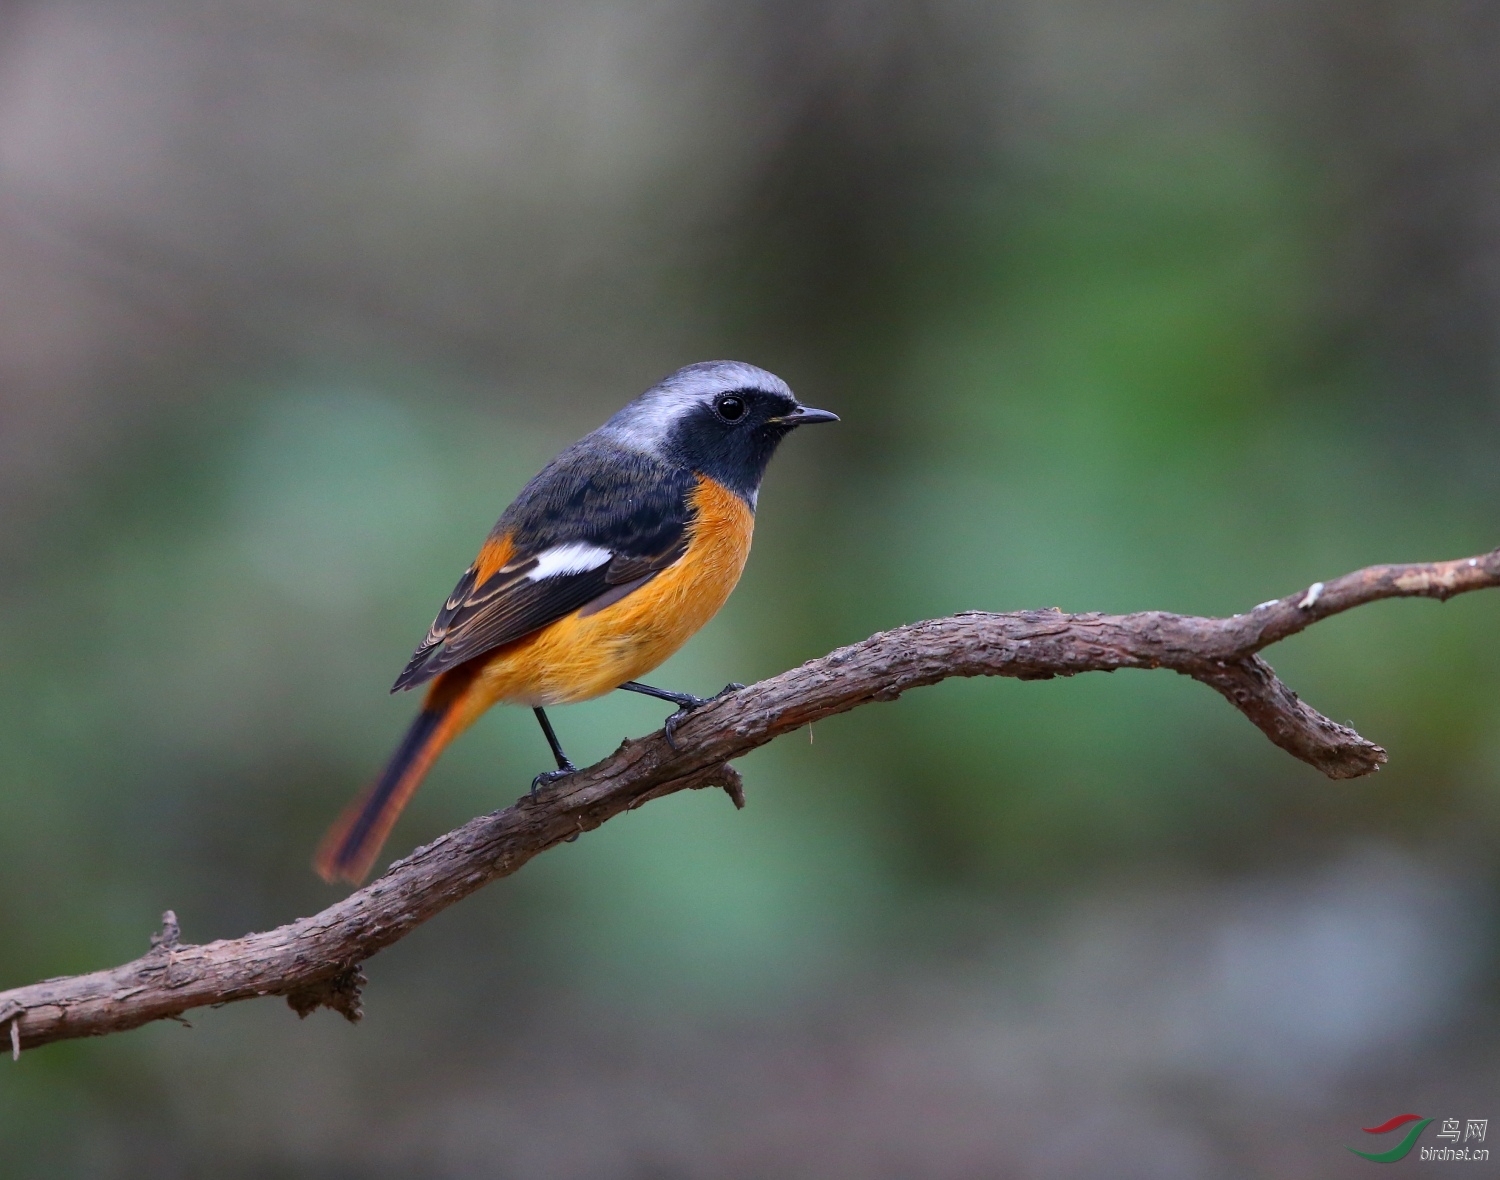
(623, 511)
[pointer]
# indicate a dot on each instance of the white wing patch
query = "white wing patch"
(574, 558)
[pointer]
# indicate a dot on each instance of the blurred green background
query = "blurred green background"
(1128, 306)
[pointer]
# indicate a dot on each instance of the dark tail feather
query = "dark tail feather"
(355, 840)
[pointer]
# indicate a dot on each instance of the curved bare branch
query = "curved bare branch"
(314, 961)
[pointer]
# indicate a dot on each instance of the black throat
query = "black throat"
(734, 455)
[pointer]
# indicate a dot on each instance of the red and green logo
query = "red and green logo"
(1402, 1149)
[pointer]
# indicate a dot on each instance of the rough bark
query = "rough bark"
(315, 961)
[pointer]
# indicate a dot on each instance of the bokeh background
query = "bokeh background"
(1165, 304)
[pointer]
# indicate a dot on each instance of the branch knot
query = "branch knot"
(340, 991)
(169, 937)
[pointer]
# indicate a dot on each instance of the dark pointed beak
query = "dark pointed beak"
(806, 416)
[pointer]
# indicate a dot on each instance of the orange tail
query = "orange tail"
(354, 841)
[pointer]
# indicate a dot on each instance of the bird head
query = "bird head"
(723, 419)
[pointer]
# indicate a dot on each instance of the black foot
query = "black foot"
(548, 777)
(686, 703)
(565, 765)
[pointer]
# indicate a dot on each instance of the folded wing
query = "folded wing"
(581, 534)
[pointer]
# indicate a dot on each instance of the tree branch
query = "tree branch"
(314, 962)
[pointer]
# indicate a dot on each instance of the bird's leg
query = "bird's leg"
(564, 766)
(686, 702)
(683, 700)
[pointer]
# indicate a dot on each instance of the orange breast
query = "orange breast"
(586, 655)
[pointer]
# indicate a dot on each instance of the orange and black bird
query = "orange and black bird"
(618, 551)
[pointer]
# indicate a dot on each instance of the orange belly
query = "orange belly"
(582, 656)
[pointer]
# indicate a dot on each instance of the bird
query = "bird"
(609, 560)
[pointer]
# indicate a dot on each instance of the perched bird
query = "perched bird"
(618, 551)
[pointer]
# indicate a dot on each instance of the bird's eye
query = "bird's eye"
(730, 407)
